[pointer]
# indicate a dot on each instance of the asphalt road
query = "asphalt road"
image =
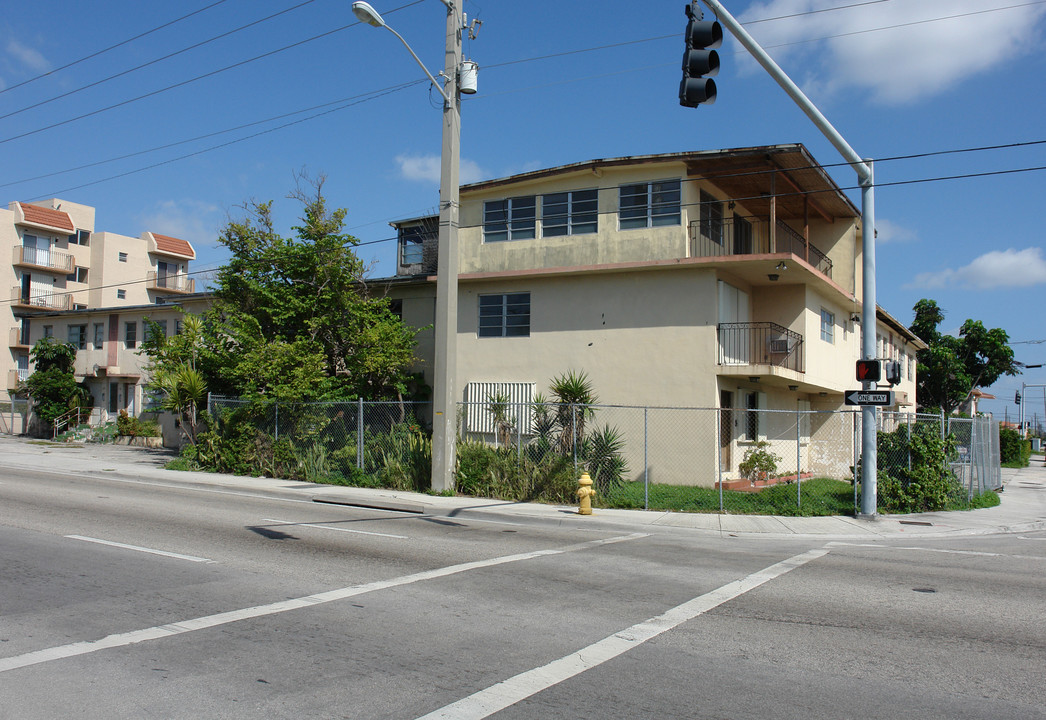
(124, 598)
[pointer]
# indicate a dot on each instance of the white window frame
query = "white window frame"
(517, 221)
(99, 335)
(81, 335)
(653, 209)
(503, 306)
(827, 326)
(570, 222)
(121, 257)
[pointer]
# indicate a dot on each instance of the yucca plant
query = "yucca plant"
(497, 406)
(573, 393)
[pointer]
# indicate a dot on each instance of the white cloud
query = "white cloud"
(192, 220)
(917, 54)
(999, 268)
(426, 168)
(27, 56)
(889, 232)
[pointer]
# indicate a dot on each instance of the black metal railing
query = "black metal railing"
(760, 343)
(747, 236)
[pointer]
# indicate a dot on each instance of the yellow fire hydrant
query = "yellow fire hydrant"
(585, 493)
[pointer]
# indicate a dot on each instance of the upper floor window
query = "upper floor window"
(650, 204)
(412, 245)
(827, 326)
(78, 275)
(78, 336)
(130, 337)
(99, 335)
(509, 219)
(121, 294)
(506, 315)
(122, 257)
(569, 213)
(712, 219)
(80, 237)
(48, 330)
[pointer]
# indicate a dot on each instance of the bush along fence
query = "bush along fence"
(685, 459)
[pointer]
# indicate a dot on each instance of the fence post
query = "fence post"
(798, 460)
(857, 504)
(277, 433)
(646, 461)
(359, 434)
(573, 432)
(719, 452)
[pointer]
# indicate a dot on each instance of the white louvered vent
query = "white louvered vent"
(478, 394)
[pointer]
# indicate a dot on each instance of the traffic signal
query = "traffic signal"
(1017, 398)
(892, 370)
(869, 371)
(700, 60)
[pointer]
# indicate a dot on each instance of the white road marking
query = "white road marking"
(508, 692)
(328, 527)
(973, 553)
(179, 556)
(177, 628)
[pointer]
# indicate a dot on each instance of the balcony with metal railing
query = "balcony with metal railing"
(19, 338)
(37, 299)
(170, 283)
(44, 259)
(16, 377)
(751, 236)
(760, 343)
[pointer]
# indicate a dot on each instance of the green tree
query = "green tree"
(53, 385)
(294, 318)
(952, 367)
(173, 372)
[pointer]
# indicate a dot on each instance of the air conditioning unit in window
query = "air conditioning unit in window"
(779, 345)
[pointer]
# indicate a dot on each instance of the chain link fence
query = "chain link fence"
(684, 459)
(14, 417)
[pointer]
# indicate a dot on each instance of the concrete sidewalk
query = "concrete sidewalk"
(1023, 507)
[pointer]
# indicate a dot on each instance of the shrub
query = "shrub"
(913, 473)
(1015, 451)
(758, 462)
(136, 427)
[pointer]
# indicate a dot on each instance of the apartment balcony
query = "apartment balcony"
(16, 378)
(36, 299)
(747, 344)
(170, 283)
(48, 260)
(752, 236)
(19, 339)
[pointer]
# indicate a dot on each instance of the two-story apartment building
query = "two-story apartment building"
(720, 279)
(59, 262)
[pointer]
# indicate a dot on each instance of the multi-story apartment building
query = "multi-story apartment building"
(722, 279)
(61, 264)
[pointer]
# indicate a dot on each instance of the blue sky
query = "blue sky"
(896, 77)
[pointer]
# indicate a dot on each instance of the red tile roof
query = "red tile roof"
(173, 246)
(36, 215)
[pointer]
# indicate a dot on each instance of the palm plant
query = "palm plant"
(573, 393)
(497, 406)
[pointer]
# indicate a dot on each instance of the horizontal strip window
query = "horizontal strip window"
(569, 213)
(510, 219)
(653, 204)
(506, 315)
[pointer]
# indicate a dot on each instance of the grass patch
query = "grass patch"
(180, 464)
(815, 497)
(987, 499)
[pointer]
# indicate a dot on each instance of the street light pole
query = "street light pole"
(444, 405)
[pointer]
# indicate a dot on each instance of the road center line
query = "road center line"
(508, 692)
(151, 551)
(161, 631)
(328, 527)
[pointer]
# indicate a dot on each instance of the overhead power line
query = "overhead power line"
(194, 79)
(95, 54)
(156, 60)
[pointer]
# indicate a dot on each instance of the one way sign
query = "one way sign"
(869, 397)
